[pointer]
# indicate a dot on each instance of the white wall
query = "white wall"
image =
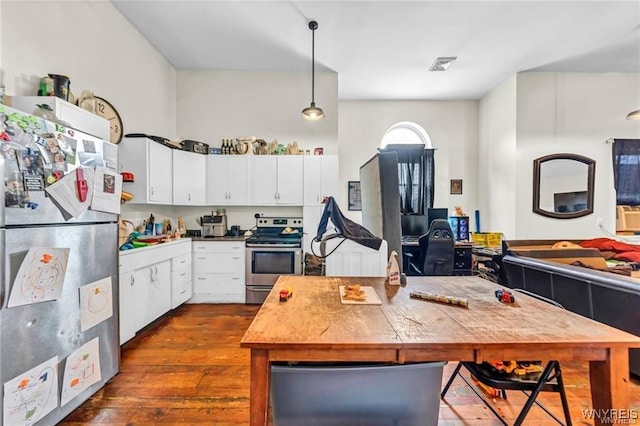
(93, 44)
(451, 125)
(497, 159)
(216, 105)
(572, 113)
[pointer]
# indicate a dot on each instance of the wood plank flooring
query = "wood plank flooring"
(188, 369)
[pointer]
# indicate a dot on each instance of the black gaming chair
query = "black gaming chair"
(436, 249)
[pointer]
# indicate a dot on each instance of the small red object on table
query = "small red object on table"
(505, 296)
(285, 295)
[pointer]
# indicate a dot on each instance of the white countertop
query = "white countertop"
(159, 245)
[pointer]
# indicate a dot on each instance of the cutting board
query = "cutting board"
(369, 292)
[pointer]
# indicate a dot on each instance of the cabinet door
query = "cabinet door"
(239, 177)
(329, 176)
(159, 168)
(217, 178)
(156, 282)
(265, 180)
(312, 183)
(290, 180)
(188, 178)
(130, 313)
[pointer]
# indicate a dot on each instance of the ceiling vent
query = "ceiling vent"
(442, 63)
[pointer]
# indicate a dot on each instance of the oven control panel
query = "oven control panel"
(279, 222)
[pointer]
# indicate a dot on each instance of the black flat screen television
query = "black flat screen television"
(437, 213)
(418, 224)
(414, 225)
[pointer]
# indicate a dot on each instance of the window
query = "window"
(415, 165)
(626, 171)
(406, 132)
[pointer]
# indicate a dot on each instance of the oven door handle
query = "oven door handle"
(270, 246)
(259, 289)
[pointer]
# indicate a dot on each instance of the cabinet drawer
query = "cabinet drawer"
(182, 247)
(127, 263)
(204, 263)
(218, 283)
(181, 261)
(218, 247)
(180, 295)
(180, 276)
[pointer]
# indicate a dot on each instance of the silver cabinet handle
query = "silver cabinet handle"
(183, 291)
(235, 278)
(201, 258)
(152, 190)
(201, 278)
(189, 197)
(183, 261)
(132, 281)
(183, 274)
(235, 258)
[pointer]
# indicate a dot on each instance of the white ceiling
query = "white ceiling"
(383, 49)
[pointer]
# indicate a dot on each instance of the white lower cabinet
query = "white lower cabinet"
(181, 288)
(218, 272)
(153, 280)
(130, 315)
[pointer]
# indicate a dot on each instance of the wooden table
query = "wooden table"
(314, 326)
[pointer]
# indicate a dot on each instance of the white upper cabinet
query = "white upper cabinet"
(228, 178)
(189, 178)
(152, 165)
(320, 178)
(277, 180)
(78, 118)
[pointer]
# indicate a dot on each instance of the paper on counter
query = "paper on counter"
(31, 395)
(371, 297)
(107, 189)
(65, 195)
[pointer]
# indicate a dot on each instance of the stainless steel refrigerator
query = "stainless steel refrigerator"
(46, 334)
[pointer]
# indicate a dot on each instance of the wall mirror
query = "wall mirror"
(563, 185)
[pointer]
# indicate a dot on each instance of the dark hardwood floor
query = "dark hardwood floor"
(188, 369)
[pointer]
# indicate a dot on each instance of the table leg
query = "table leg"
(610, 386)
(259, 392)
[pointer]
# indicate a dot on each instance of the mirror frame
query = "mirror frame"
(591, 172)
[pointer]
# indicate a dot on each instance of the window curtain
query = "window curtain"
(626, 171)
(415, 176)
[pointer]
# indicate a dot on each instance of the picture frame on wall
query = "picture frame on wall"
(355, 197)
(456, 187)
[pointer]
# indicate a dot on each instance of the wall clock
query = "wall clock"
(105, 110)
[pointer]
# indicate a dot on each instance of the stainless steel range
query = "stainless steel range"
(274, 250)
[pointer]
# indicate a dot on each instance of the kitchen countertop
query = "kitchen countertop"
(225, 238)
(151, 246)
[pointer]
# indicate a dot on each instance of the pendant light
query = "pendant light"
(312, 112)
(634, 115)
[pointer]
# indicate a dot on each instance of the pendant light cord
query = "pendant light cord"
(313, 62)
(312, 112)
